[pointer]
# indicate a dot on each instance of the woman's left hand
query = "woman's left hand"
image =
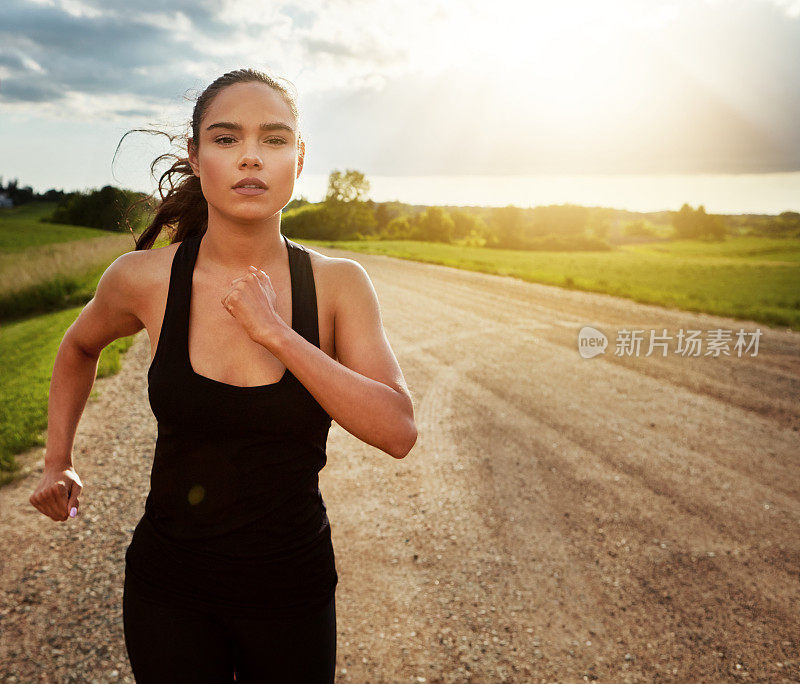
(252, 301)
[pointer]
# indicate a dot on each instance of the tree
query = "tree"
(436, 225)
(297, 202)
(689, 223)
(398, 228)
(349, 186)
(637, 229)
(464, 223)
(710, 226)
(104, 208)
(351, 216)
(559, 219)
(508, 225)
(382, 217)
(600, 227)
(683, 222)
(17, 194)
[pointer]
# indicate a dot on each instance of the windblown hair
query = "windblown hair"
(183, 209)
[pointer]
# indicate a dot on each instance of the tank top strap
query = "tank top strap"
(173, 326)
(305, 316)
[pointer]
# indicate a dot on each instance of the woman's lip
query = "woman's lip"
(250, 191)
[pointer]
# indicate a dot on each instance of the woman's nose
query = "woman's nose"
(250, 160)
(250, 157)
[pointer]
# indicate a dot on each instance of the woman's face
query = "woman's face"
(227, 155)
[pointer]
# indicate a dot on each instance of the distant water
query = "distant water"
(765, 193)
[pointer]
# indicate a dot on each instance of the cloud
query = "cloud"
(709, 86)
(92, 55)
(30, 91)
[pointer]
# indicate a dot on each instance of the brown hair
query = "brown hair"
(184, 208)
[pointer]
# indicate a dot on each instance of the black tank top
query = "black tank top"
(234, 518)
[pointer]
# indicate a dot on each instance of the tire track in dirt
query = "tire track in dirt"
(626, 495)
(773, 379)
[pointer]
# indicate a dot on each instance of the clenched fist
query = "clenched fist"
(252, 301)
(57, 494)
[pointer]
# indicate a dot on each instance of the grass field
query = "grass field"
(48, 272)
(47, 267)
(27, 353)
(748, 278)
(20, 228)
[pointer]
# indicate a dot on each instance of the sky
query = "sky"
(422, 88)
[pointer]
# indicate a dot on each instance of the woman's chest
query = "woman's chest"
(218, 345)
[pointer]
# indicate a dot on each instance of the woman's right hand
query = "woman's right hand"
(57, 493)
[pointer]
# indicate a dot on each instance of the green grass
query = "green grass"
(747, 278)
(47, 267)
(20, 228)
(27, 353)
(51, 271)
(767, 250)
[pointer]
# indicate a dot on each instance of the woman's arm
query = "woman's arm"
(107, 317)
(364, 391)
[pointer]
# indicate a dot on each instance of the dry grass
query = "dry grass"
(20, 271)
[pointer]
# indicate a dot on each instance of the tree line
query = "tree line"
(22, 195)
(346, 213)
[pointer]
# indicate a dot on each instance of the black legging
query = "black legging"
(175, 644)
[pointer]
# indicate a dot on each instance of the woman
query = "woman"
(257, 343)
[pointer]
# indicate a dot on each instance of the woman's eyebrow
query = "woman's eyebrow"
(273, 126)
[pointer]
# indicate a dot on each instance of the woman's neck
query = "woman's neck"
(233, 247)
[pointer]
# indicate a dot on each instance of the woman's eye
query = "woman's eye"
(222, 138)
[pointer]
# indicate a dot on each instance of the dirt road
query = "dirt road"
(614, 519)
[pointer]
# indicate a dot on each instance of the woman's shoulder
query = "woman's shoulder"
(330, 267)
(342, 283)
(338, 280)
(335, 274)
(148, 264)
(147, 269)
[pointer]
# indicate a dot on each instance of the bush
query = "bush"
(104, 209)
(638, 229)
(562, 243)
(311, 221)
(474, 239)
(399, 228)
(691, 223)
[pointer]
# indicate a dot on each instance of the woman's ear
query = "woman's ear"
(301, 153)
